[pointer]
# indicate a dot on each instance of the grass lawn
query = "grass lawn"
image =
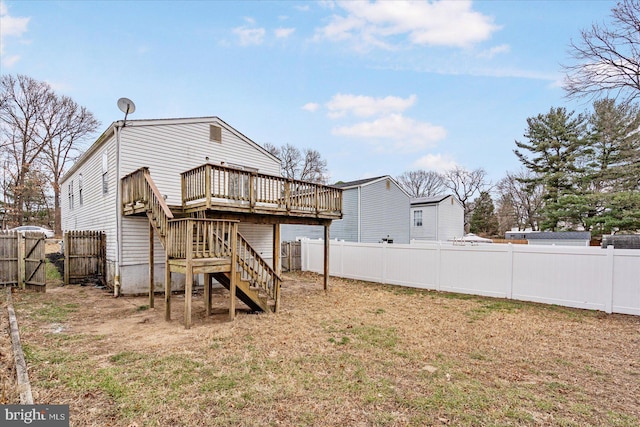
(360, 354)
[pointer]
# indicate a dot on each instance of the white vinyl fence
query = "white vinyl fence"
(580, 277)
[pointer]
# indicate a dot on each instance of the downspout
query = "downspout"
(116, 279)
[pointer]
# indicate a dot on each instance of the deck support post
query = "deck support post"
(233, 273)
(326, 256)
(207, 293)
(277, 263)
(167, 289)
(151, 278)
(188, 282)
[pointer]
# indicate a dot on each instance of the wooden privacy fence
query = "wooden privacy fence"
(85, 256)
(22, 260)
(291, 256)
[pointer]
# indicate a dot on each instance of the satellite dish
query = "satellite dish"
(126, 106)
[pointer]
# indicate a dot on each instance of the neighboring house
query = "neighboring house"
(374, 210)
(559, 238)
(438, 218)
(140, 174)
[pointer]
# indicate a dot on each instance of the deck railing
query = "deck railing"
(205, 238)
(213, 184)
(210, 238)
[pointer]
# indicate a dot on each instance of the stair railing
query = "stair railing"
(256, 270)
(138, 187)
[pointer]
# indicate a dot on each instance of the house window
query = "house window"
(105, 175)
(417, 218)
(71, 195)
(80, 189)
(215, 133)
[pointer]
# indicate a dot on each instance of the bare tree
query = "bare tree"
(65, 124)
(307, 165)
(421, 183)
(519, 194)
(23, 100)
(39, 132)
(608, 57)
(465, 185)
(314, 167)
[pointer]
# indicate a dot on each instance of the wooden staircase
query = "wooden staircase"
(212, 247)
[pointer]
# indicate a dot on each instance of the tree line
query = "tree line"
(41, 132)
(579, 171)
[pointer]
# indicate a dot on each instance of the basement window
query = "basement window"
(215, 133)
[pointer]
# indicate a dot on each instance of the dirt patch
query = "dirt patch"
(359, 354)
(8, 383)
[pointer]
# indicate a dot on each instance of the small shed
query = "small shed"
(559, 238)
(438, 218)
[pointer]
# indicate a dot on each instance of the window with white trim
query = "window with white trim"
(105, 173)
(417, 218)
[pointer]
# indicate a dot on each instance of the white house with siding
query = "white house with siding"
(93, 188)
(438, 218)
(374, 210)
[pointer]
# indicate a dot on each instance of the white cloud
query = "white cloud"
(394, 131)
(311, 107)
(379, 24)
(250, 36)
(490, 53)
(9, 61)
(10, 26)
(283, 32)
(367, 106)
(435, 162)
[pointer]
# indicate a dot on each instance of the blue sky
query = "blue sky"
(376, 88)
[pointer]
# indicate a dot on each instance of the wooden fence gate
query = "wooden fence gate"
(22, 260)
(85, 257)
(291, 256)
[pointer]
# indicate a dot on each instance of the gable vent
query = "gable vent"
(215, 133)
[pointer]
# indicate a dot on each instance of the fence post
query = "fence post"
(438, 264)
(509, 271)
(384, 263)
(67, 254)
(21, 260)
(608, 303)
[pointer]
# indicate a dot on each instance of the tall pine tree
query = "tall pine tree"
(555, 142)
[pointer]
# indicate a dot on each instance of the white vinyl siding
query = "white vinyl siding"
(347, 228)
(98, 210)
(384, 211)
(443, 220)
(170, 149)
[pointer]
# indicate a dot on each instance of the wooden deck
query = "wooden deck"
(201, 236)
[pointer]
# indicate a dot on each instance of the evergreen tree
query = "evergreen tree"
(556, 141)
(484, 219)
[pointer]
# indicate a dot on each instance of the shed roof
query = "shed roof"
(560, 235)
(429, 200)
(359, 182)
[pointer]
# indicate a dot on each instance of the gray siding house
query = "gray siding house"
(374, 210)
(438, 218)
(186, 154)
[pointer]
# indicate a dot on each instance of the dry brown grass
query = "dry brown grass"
(358, 355)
